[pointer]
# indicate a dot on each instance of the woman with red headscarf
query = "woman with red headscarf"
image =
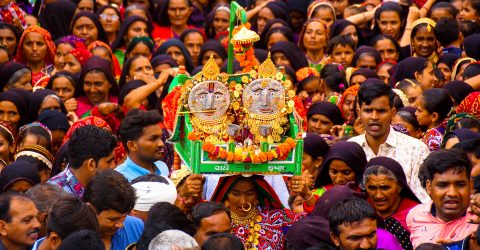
(36, 50)
(258, 217)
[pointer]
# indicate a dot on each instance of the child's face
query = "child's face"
(342, 54)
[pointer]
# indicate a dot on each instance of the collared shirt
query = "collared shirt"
(407, 151)
(130, 233)
(68, 182)
(131, 170)
(425, 227)
(38, 243)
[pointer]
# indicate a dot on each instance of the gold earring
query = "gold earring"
(227, 204)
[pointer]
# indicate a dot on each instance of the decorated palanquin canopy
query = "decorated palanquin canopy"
(236, 123)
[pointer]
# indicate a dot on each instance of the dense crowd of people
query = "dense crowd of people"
(388, 93)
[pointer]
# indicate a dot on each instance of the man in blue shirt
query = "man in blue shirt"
(113, 198)
(141, 135)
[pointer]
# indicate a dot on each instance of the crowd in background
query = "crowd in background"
(388, 92)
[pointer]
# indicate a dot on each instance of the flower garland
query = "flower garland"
(244, 53)
(248, 155)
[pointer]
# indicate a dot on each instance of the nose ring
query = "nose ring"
(249, 207)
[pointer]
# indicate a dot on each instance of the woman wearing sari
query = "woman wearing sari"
(38, 58)
(389, 194)
(258, 217)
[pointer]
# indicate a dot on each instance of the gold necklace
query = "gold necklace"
(276, 121)
(217, 126)
(251, 222)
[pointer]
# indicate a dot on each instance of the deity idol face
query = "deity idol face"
(206, 96)
(264, 97)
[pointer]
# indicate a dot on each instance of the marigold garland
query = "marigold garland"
(248, 155)
(245, 53)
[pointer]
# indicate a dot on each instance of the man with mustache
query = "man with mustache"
(445, 218)
(353, 225)
(376, 111)
(141, 135)
(19, 226)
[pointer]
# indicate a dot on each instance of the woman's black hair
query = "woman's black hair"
(160, 15)
(438, 101)
(390, 6)
(285, 31)
(39, 132)
(72, 78)
(15, 31)
(127, 22)
(126, 69)
(334, 77)
(340, 40)
(189, 31)
(150, 44)
(447, 6)
(408, 117)
(262, 44)
(380, 37)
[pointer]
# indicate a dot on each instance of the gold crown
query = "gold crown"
(267, 69)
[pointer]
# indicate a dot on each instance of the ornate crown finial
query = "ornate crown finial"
(267, 69)
(210, 71)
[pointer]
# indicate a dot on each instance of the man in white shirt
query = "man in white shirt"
(375, 102)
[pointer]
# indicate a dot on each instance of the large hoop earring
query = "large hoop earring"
(249, 207)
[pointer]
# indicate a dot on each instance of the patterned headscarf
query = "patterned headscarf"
(305, 72)
(116, 65)
(352, 90)
(266, 195)
(48, 41)
(119, 151)
(90, 120)
(81, 54)
(450, 127)
(470, 105)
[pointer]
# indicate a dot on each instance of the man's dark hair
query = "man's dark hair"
(342, 40)
(207, 209)
(82, 239)
(69, 215)
(6, 200)
(161, 217)
(370, 91)
(469, 27)
(447, 31)
(440, 161)
(44, 195)
(222, 241)
(110, 190)
(89, 142)
(348, 211)
(133, 124)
